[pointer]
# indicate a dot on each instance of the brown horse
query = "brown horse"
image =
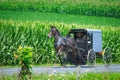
(66, 45)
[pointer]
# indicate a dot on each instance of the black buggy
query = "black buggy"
(89, 44)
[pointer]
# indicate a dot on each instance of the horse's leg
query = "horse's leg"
(60, 60)
(58, 53)
(76, 62)
(65, 58)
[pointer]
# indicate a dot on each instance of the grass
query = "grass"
(62, 18)
(68, 76)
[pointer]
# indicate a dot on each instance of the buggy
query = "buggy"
(89, 45)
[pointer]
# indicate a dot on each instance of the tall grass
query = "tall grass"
(109, 8)
(34, 34)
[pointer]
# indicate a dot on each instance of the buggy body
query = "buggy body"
(89, 42)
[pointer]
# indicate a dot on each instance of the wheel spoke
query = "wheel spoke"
(107, 57)
(91, 58)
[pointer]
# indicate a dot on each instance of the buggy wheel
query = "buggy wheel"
(107, 56)
(91, 58)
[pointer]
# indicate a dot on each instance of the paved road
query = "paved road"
(69, 69)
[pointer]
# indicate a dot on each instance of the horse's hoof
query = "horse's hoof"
(64, 66)
(76, 65)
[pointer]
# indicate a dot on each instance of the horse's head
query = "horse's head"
(53, 31)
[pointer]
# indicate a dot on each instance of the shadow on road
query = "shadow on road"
(72, 66)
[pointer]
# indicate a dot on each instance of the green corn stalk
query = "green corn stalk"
(34, 34)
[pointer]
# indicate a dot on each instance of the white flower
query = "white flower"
(50, 75)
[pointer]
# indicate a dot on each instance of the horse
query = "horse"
(67, 46)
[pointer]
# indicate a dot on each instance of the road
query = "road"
(68, 69)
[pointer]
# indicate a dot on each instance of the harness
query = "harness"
(60, 42)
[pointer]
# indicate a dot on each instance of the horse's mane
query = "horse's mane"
(56, 30)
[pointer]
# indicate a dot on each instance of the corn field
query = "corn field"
(108, 8)
(34, 33)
